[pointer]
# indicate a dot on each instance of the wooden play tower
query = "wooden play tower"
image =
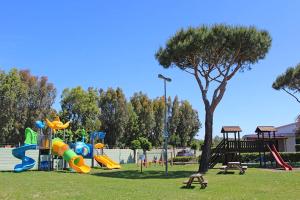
(230, 148)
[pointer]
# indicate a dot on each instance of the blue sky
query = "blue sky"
(112, 43)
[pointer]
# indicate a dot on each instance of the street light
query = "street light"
(166, 136)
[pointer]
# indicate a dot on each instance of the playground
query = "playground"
(150, 100)
(129, 183)
(82, 170)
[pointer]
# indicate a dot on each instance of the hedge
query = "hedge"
(297, 147)
(291, 156)
(287, 156)
(183, 158)
(254, 157)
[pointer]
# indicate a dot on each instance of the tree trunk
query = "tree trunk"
(134, 155)
(174, 151)
(145, 153)
(206, 150)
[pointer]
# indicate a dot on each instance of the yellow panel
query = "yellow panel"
(99, 146)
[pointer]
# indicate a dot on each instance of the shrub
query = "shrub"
(254, 157)
(291, 156)
(286, 156)
(135, 144)
(145, 144)
(249, 157)
(195, 145)
(297, 147)
(182, 158)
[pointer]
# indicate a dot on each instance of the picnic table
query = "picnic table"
(198, 179)
(234, 166)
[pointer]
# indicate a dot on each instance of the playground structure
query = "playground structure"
(230, 149)
(30, 143)
(101, 158)
(75, 161)
(51, 150)
(56, 124)
(81, 148)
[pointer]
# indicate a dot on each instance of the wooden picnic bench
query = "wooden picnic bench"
(234, 166)
(196, 178)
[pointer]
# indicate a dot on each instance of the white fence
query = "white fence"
(122, 156)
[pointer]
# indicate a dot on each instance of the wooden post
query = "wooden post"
(259, 147)
(270, 143)
(263, 137)
(274, 139)
(235, 142)
(227, 150)
(239, 146)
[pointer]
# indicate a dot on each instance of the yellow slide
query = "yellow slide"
(107, 162)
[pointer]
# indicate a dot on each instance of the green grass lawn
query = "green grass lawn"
(129, 183)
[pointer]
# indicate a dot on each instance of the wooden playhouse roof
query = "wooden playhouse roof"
(265, 129)
(230, 129)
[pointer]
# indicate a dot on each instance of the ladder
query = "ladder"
(216, 154)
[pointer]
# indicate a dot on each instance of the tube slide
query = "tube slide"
(75, 161)
(278, 158)
(27, 163)
(104, 159)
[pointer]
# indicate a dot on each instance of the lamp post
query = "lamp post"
(166, 135)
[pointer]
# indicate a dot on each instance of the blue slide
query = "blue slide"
(27, 163)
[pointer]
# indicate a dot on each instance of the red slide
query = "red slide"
(278, 158)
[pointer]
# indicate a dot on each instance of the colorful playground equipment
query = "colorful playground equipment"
(82, 148)
(34, 140)
(60, 148)
(75, 161)
(40, 124)
(105, 160)
(229, 150)
(56, 124)
(101, 158)
(29, 144)
(51, 151)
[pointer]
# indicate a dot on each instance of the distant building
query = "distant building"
(285, 137)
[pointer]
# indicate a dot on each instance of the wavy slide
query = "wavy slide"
(279, 159)
(105, 160)
(27, 163)
(75, 161)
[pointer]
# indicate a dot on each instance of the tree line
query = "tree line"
(124, 121)
(26, 98)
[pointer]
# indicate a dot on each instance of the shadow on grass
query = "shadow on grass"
(226, 173)
(64, 171)
(187, 188)
(135, 174)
